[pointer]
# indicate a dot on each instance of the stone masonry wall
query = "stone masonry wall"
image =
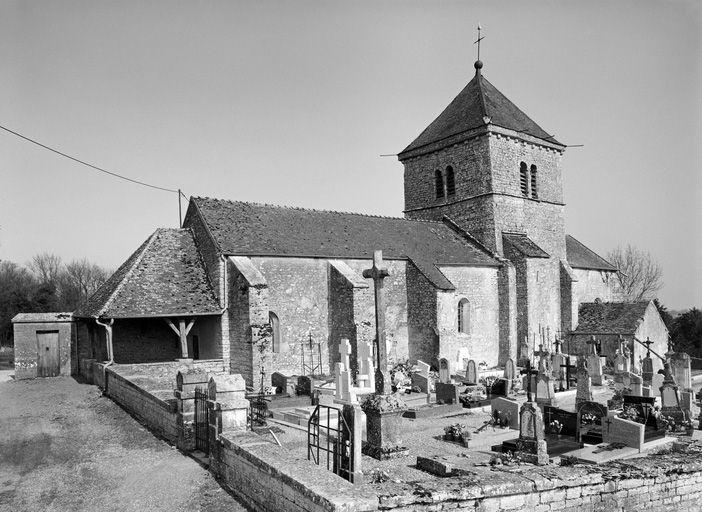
(158, 415)
(207, 248)
(543, 284)
(479, 286)
(25, 336)
(422, 303)
(591, 285)
(663, 483)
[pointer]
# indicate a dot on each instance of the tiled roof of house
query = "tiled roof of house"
(525, 245)
(478, 101)
(164, 277)
(580, 256)
(610, 317)
(249, 229)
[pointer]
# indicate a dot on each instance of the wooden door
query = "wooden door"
(48, 364)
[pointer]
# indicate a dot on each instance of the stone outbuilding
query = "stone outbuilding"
(43, 344)
(612, 322)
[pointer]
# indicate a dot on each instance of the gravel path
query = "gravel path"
(63, 446)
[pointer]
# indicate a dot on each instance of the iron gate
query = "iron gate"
(329, 439)
(202, 423)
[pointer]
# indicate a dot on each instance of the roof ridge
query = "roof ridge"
(129, 272)
(317, 210)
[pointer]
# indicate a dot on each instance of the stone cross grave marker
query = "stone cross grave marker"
(544, 360)
(583, 392)
(366, 371)
(647, 364)
(529, 372)
(378, 273)
(558, 362)
(568, 371)
(670, 396)
(444, 371)
(471, 372)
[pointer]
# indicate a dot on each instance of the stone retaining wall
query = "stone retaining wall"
(158, 415)
(269, 478)
(657, 483)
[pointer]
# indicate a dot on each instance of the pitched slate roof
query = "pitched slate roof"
(249, 229)
(610, 317)
(580, 256)
(524, 245)
(478, 101)
(164, 277)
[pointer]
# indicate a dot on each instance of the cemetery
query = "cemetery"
(554, 429)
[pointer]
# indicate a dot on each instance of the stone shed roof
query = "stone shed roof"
(249, 229)
(580, 256)
(477, 105)
(32, 318)
(610, 317)
(164, 277)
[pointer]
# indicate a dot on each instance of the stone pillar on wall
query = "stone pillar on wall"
(186, 382)
(507, 291)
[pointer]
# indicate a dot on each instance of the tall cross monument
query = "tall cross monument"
(378, 273)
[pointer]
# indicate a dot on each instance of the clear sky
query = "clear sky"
(293, 102)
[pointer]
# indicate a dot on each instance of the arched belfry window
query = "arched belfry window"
(439, 184)
(450, 182)
(534, 190)
(464, 316)
(524, 179)
(275, 327)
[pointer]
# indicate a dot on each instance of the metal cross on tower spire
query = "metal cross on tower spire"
(480, 38)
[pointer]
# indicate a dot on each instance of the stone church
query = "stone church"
(480, 267)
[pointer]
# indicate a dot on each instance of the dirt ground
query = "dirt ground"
(63, 446)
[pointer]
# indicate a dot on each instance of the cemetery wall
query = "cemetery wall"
(481, 343)
(421, 318)
(271, 479)
(158, 415)
(666, 482)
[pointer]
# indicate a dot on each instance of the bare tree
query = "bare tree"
(80, 280)
(46, 267)
(639, 276)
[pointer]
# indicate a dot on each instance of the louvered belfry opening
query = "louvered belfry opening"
(524, 179)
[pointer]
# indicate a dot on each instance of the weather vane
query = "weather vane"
(480, 38)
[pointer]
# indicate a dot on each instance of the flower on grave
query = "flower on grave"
(588, 418)
(555, 427)
(631, 413)
(457, 432)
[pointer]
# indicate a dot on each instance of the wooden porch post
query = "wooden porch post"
(182, 332)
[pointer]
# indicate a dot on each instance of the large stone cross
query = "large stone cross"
(378, 273)
(593, 345)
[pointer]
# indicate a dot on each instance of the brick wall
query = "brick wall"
(479, 286)
(159, 416)
(25, 339)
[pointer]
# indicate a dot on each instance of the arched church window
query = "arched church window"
(450, 182)
(464, 316)
(275, 328)
(524, 179)
(534, 191)
(439, 184)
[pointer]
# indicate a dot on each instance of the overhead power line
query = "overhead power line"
(175, 191)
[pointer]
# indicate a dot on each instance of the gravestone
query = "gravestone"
(670, 396)
(544, 361)
(590, 417)
(444, 371)
(636, 384)
(558, 362)
(500, 387)
(510, 369)
(531, 445)
(508, 409)
(544, 385)
(420, 378)
(583, 392)
(624, 431)
(680, 365)
(524, 355)
(471, 372)
(594, 362)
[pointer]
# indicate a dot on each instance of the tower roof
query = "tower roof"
(477, 105)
